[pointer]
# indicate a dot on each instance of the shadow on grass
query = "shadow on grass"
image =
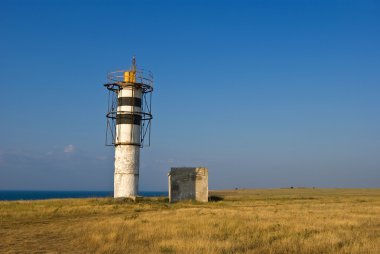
(215, 198)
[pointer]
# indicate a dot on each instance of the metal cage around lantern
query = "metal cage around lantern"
(116, 82)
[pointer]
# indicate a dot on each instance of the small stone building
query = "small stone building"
(188, 184)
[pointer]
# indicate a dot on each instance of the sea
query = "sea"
(37, 195)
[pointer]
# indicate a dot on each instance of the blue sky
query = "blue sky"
(263, 93)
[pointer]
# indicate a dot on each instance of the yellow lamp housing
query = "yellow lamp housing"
(130, 76)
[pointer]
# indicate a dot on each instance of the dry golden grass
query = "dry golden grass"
(245, 221)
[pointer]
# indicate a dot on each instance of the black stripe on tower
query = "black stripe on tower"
(128, 119)
(129, 101)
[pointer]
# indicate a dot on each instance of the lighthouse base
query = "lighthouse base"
(126, 178)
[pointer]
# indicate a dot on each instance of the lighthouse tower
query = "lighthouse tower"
(128, 124)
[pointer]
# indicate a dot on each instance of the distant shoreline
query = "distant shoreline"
(13, 195)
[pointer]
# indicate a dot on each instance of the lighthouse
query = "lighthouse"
(128, 124)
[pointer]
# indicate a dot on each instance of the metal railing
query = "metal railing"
(142, 77)
(116, 81)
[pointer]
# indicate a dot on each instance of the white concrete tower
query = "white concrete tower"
(128, 125)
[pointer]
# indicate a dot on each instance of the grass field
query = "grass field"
(242, 221)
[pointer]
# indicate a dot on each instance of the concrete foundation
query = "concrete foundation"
(188, 184)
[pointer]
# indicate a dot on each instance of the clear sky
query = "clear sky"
(263, 93)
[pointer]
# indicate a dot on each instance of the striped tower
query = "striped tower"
(127, 140)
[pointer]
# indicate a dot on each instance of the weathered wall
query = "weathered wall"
(188, 183)
(126, 177)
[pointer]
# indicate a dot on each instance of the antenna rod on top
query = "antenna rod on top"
(133, 63)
